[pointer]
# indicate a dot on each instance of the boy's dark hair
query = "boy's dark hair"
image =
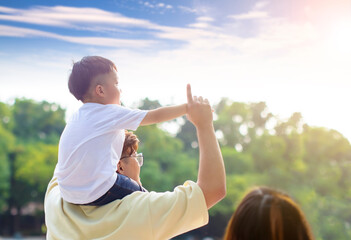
(84, 71)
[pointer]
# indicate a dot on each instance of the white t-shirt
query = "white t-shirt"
(90, 148)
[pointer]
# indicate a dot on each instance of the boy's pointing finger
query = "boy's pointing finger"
(189, 94)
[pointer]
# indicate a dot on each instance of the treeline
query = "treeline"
(312, 164)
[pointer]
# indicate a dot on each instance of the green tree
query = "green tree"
(187, 135)
(6, 117)
(35, 165)
(7, 141)
(37, 121)
(166, 165)
(147, 104)
(240, 123)
(34, 129)
(6, 146)
(328, 155)
(312, 164)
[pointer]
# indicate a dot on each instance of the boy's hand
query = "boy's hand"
(199, 110)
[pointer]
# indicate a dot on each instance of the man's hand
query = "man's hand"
(199, 111)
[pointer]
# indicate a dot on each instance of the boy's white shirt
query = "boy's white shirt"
(90, 148)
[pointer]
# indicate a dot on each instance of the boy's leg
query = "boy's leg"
(122, 187)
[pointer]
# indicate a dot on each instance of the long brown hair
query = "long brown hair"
(267, 214)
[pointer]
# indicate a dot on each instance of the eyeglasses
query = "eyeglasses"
(138, 157)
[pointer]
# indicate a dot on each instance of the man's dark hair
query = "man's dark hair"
(84, 71)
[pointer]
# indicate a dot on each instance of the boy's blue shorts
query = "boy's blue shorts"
(122, 187)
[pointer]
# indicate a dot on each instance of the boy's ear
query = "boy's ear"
(99, 90)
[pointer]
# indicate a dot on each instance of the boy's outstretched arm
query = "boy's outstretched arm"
(163, 114)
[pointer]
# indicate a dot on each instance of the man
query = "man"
(148, 215)
(131, 161)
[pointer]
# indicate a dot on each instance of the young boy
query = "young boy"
(91, 143)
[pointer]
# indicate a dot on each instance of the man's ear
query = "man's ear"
(120, 168)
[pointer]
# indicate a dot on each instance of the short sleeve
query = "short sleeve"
(177, 212)
(126, 118)
(102, 117)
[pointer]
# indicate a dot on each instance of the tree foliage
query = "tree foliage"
(34, 121)
(312, 164)
(166, 165)
(6, 146)
(29, 133)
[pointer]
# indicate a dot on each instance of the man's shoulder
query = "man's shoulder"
(159, 215)
(182, 193)
(187, 197)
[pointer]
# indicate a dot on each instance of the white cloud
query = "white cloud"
(147, 4)
(160, 5)
(8, 10)
(203, 25)
(22, 32)
(204, 19)
(10, 31)
(260, 5)
(96, 19)
(250, 15)
(187, 9)
(283, 63)
(255, 13)
(69, 16)
(198, 10)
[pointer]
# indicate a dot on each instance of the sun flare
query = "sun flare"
(340, 37)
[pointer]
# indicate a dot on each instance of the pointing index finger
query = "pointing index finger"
(189, 94)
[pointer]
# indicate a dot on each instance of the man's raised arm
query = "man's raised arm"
(211, 174)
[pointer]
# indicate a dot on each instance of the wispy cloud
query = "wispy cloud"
(279, 60)
(260, 5)
(204, 23)
(250, 15)
(10, 31)
(160, 6)
(99, 20)
(255, 13)
(70, 16)
(198, 10)
(205, 19)
(201, 32)
(91, 19)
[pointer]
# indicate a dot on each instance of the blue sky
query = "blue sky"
(292, 54)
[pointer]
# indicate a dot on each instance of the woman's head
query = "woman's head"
(268, 214)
